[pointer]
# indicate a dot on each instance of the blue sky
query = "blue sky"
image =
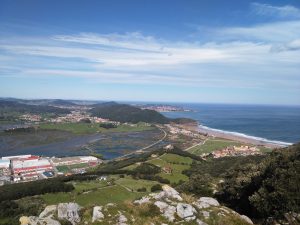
(175, 51)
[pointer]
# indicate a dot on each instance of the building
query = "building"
(167, 169)
(4, 163)
(31, 166)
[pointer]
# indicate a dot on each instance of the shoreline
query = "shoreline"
(241, 137)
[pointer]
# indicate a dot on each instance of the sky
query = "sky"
(216, 51)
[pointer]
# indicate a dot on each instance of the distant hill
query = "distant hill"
(61, 102)
(13, 106)
(127, 113)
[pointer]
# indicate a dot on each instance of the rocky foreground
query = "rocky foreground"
(165, 207)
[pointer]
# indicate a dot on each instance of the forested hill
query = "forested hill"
(128, 113)
(13, 106)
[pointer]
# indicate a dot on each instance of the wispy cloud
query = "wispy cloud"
(283, 12)
(258, 56)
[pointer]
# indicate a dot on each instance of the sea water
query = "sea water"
(263, 122)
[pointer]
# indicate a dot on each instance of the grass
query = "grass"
(66, 169)
(176, 162)
(100, 192)
(212, 145)
(136, 184)
(88, 128)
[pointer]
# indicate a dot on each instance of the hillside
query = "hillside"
(10, 108)
(128, 113)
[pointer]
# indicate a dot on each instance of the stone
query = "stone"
(200, 222)
(205, 214)
(247, 219)
(122, 220)
(24, 220)
(69, 211)
(205, 202)
(142, 200)
(185, 210)
(34, 220)
(48, 211)
(167, 210)
(171, 192)
(97, 214)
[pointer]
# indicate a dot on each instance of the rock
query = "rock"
(185, 210)
(205, 202)
(24, 220)
(48, 211)
(205, 214)
(167, 192)
(171, 192)
(34, 220)
(122, 220)
(97, 214)
(246, 218)
(200, 222)
(142, 200)
(69, 211)
(167, 210)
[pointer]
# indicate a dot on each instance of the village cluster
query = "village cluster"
(21, 168)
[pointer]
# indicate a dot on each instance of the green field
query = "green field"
(65, 169)
(212, 145)
(101, 192)
(134, 185)
(88, 128)
(176, 162)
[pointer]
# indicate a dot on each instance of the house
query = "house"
(167, 169)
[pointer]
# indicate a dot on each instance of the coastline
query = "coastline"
(241, 137)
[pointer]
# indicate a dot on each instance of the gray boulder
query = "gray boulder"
(185, 211)
(205, 202)
(167, 210)
(97, 214)
(48, 211)
(69, 211)
(122, 220)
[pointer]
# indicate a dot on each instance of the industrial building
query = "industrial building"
(29, 168)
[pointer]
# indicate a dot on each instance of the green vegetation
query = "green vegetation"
(127, 113)
(87, 128)
(135, 184)
(11, 110)
(211, 145)
(177, 165)
(270, 188)
(16, 191)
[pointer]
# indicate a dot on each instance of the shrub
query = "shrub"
(156, 187)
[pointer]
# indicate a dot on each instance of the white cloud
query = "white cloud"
(286, 11)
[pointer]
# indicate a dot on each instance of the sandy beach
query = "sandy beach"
(240, 138)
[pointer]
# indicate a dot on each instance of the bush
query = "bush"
(143, 189)
(156, 187)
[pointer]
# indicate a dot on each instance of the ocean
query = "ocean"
(277, 124)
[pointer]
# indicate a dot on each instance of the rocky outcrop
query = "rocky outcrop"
(48, 211)
(69, 211)
(167, 192)
(167, 210)
(97, 214)
(186, 211)
(34, 220)
(166, 206)
(206, 202)
(122, 220)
